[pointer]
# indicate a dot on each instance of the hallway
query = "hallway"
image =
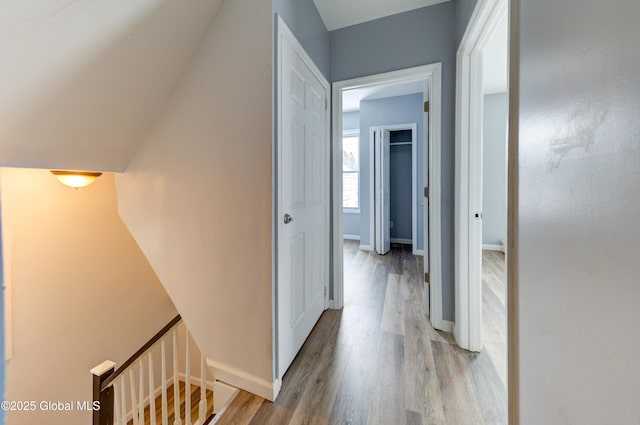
(379, 361)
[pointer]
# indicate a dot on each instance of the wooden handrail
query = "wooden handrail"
(107, 382)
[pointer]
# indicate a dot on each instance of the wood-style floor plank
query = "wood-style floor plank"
(379, 361)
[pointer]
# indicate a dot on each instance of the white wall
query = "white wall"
(198, 195)
(494, 169)
(578, 212)
(82, 290)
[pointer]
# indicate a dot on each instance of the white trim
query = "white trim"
(362, 248)
(284, 31)
(103, 368)
(487, 247)
(401, 241)
(447, 326)
(351, 210)
(432, 75)
(468, 160)
(351, 237)
(372, 188)
(419, 252)
(245, 380)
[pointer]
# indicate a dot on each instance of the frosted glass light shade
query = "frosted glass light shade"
(76, 179)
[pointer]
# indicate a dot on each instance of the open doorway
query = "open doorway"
(368, 112)
(481, 184)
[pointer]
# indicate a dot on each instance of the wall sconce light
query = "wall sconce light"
(76, 179)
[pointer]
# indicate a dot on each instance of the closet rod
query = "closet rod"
(400, 144)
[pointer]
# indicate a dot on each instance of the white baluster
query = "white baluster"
(152, 392)
(202, 416)
(176, 381)
(187, 385)
(123, 402)
(165, 420)
(134, 401)
(141, 405)
(116, 402)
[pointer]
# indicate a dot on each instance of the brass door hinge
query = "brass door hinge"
(426, 106)
(426, 192)
(426, 277)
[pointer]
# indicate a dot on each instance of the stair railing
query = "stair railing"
(128, 394)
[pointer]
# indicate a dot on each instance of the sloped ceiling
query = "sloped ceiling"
(343, 13)
(82, 80)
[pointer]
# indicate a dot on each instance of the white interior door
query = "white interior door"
(382, 139)
(303, 179)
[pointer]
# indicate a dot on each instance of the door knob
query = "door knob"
(287, 219)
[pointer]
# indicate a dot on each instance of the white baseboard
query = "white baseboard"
(402, 241)
(489, 247)
(351, 237)
(245, 380)
(366, 247)
(418, 252)
(444, 326)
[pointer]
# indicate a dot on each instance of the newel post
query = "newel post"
(103, 415)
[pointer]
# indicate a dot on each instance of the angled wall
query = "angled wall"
(197, 196)
(83, 80)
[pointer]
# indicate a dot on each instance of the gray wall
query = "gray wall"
(401, 41)
(351, 223)
(494, 169)
(393, 110)
(303, 19)
(578, 211)
(464, 10)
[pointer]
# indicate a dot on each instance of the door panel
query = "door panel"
(302, 174)
(382, 187)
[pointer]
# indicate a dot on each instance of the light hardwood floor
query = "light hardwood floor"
(378, 361)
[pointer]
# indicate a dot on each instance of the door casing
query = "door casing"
(468, 168)
(432, 76)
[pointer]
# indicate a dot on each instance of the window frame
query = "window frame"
(346, 134)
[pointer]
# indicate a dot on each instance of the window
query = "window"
(351, 171)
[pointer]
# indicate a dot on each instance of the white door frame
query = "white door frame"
(468, 188)
(432, 75)
(284, 32)
(414, 183)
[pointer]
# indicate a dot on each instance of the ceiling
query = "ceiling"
(495, 56)
(84, 79)
(343, 13)
(351, 99)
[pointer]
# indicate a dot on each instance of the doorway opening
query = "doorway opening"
(354, 182)
(481, 185)
(394, 194)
